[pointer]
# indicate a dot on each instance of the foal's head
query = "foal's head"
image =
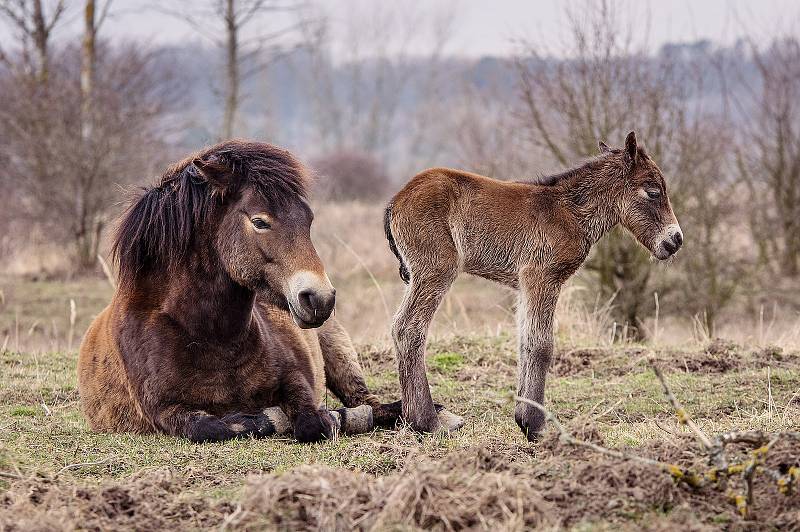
(239, 207)
(644, 207)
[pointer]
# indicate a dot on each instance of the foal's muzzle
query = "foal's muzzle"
(668, 242)
(311, 299)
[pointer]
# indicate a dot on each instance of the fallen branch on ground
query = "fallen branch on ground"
(720, 469)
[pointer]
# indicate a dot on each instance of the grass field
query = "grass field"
(57, 474)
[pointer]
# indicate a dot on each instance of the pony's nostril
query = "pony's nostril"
(307, 300)
(317, 305)
(678, 239)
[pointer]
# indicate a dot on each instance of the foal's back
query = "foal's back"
(445, 221)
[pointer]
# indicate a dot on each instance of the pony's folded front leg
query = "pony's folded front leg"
(358, 420)
(535, 311)
(199, 426)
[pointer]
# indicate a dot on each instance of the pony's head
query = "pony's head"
(241, 207)
(643, 205)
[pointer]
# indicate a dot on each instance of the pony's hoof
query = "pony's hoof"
(357, 420)
(449, 422)
(310, 427)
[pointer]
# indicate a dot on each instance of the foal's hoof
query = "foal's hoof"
(311, 427)
(531, 423)
(444, 421)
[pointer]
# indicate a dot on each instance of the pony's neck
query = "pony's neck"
(207, 303)
(593, 192)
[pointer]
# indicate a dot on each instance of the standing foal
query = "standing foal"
(529, 236)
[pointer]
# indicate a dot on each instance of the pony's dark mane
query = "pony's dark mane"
(160, 227)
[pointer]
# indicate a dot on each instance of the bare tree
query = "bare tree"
(717, 259)
(245, 52)
(358, 95)
(607, 88)
(346, 175)
(63, 181)
(34, 22)
(769, 158)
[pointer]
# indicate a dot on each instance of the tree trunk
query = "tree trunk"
(88, 60)
(232, 67)
(87, 237)
(40, 38)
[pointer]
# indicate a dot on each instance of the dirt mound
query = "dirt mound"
(152, 500)
(512, 487)
(719, 356)
(499, 485)
(426, 495)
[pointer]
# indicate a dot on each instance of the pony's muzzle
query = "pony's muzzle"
(317, 305)
(311, 299)
(669, 243)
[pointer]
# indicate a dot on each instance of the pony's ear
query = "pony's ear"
(215, 171)
(604, 147)
(630, 148)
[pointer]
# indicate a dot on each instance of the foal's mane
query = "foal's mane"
(160, 227)
(587, 166)
(578, 171)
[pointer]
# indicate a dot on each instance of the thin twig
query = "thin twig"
(106, 270)
(79, 465)
(674, 470)
(683, 416)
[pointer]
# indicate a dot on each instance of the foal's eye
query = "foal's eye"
(653, 193)
(260, 223)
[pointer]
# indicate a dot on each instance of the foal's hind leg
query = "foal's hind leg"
(409, 332)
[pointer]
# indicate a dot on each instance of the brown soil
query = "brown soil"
(499, 486)
(514, 487)
(151, 500)
(719, 356)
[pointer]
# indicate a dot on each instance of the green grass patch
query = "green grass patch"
(447, 362)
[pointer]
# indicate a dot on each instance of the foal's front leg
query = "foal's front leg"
(537, 303)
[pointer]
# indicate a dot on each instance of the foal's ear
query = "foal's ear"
(215, 170)
(630, 148)
(604, 149)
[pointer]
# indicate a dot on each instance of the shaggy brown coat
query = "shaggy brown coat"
(528, 236)
(223, 308)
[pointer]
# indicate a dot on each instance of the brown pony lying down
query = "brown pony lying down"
(221, 326)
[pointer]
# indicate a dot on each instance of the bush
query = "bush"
(346, 175)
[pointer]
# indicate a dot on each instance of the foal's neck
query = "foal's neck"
(592, 194)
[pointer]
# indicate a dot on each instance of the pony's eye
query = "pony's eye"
(653, 193)
(260, 223)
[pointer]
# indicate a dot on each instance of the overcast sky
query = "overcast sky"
(484, 27)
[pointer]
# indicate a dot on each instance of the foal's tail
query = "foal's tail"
(405, 275)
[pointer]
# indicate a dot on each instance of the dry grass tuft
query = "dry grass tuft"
(149, 500)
